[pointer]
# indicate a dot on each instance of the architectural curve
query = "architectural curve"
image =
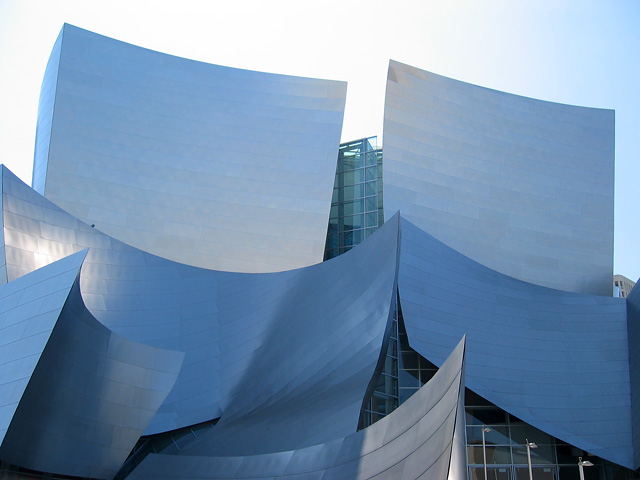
(212, 166)
(416, 441)
(83, 395)
(557, 360)
(251, 341)
(523, 186)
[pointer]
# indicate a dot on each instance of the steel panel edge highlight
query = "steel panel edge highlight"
(206, 165)
(557, 360)
(523, 186)
(416, 441)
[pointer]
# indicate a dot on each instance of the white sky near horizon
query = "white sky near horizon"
(581, 52)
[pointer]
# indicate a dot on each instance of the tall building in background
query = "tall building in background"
(165, 313)
(622, 286)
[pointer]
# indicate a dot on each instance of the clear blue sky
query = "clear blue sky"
(582, 52)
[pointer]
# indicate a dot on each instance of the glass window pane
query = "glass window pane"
(409, 360)
(495, 455)
(383, 404)
(332, 241)
(351, 208)
(347, 178)
(497, 435)
(368, 232)
(371, 188)
(387, 384)
(347, 193)
(485, 416)
(390, 365)
(351, 160)
(371, 219)
(371, 204)
(332, 254)
(473, 399)
(522, 432)
(542, 454)
(539, 473)
(354, 222)
(568, 453)
(493, 473)
(372, 173)
(409, 378)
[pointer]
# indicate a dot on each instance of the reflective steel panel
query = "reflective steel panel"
(520, 185)
(81, 394)
(557, 360)
(206, 165)
(252, 342)
(415, 441)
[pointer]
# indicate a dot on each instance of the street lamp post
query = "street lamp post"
(530, 445)
(581, 465)
(484, 450)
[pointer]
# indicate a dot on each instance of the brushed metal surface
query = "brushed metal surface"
(523, 186)
(212, 166)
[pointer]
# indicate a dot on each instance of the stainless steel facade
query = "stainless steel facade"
(557, 360)
(78, 396)
(415, 441)
(226, 339)
(102, 341)
(206, 165)
(520, 185)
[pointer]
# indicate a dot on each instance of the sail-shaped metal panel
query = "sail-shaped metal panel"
(206, 165)
(520, 185)
(416, 441)
(557, 360)
(78, 396)
(250, 340)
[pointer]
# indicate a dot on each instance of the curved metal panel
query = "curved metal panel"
(206, 165)
(92, 393)
(557, 360)
(520, 185)
(633, 325)
(251, 340)
(45, 118)
(29, 309)
(415, 441)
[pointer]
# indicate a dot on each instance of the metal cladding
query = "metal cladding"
(633, 325)
(243, 359)
(113, 324)
(415, 441)
(520, 185)
(78, 396)
(206, 165)
(557, 360)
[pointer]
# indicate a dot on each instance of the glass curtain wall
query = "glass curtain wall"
(356, 206)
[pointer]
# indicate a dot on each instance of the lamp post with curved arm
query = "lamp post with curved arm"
(581, 465)
(530, 445)
(484, 449)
